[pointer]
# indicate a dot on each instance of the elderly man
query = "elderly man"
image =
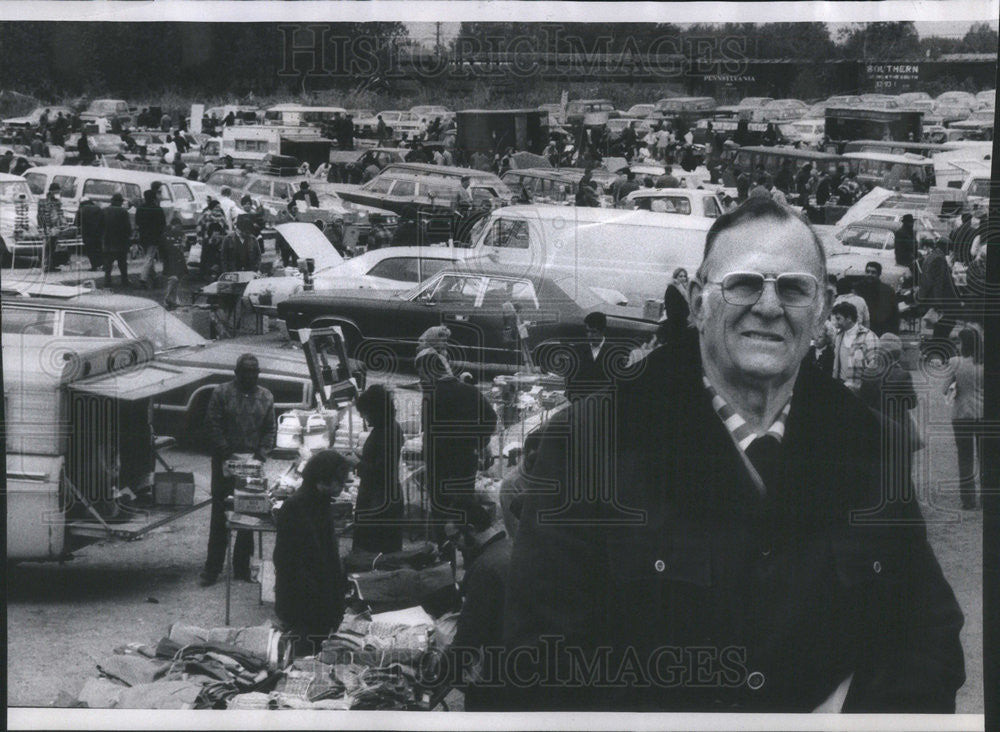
(239, 421)
(723, 532)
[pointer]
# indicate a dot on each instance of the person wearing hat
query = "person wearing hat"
(309, 581)
(116, 231)
(50, 223)
(305, 194)
(240, 252)
(457, 423)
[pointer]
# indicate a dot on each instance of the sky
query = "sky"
(424, 33)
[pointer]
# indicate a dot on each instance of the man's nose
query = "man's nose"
(769, 302)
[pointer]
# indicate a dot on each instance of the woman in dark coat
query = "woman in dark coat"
(379, 509)
(309, 581)
(675, 304)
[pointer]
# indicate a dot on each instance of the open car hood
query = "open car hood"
(308, 242)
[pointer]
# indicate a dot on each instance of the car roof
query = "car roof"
(647, 192)
(908, 158)
(95, 300)
(441, 170)
(10, 178)
(587, 215)
(123, 175)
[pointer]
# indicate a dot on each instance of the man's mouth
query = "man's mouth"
(759, 335)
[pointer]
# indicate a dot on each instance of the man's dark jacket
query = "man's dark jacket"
(309, 581)
(91, 223)
(117, 229)
(734, 603)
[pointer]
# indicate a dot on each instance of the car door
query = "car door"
(448, 299)
(507, 305)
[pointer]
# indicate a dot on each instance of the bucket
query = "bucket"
(289, 435)
(316, 435)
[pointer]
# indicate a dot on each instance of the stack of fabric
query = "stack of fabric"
(190, 668)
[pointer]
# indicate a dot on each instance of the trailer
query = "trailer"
(81, 453)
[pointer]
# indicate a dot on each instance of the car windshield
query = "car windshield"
(164, 330)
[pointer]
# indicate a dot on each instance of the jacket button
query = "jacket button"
(659, 565)
(765, 552)
(755, 680)
(877, 567)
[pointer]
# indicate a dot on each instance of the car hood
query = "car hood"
(308, 242)
(225, 355)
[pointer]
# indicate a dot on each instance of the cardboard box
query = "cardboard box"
(173, 488)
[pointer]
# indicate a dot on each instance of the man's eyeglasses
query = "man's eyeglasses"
(794, 289)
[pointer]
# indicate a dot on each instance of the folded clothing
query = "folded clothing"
(401, 588)
(251, 700)
(132, 670)
(418, 558)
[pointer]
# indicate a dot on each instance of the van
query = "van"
(685, 105)
(99, 184)
(254, 143)
(621, 252)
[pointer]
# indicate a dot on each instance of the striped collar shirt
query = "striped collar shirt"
(743, 434)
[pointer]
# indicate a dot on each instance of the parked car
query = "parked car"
(676, 201)
(987, 99)
(851, 247)
(958, 97)
(754, 103)
(780, 110)
(25, 244)
(557, 185)
(805, 132)
(388, 268)
(111, 110)
(430, 111)
(954, 110)
(109, 317)
(348, 166)
(589, 112)
(843, 100)
(100, 183)
(481, 304)
(640, 111)
(400, 125)
(32, 118)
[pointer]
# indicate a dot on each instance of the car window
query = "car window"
(712, 208)
(101, 190)
(379, 185)
(507, 233)
(67, 185)
(404, 188)
(403, 269)
(164, 329)
(36, 182)
(282, 190)
(455, 290)
(672, 204)
(86, 325)
(181, 192)
(430, 267)
(260, 188)
(520, 293)
(28, 321)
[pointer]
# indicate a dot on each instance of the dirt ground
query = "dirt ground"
(63, 619)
